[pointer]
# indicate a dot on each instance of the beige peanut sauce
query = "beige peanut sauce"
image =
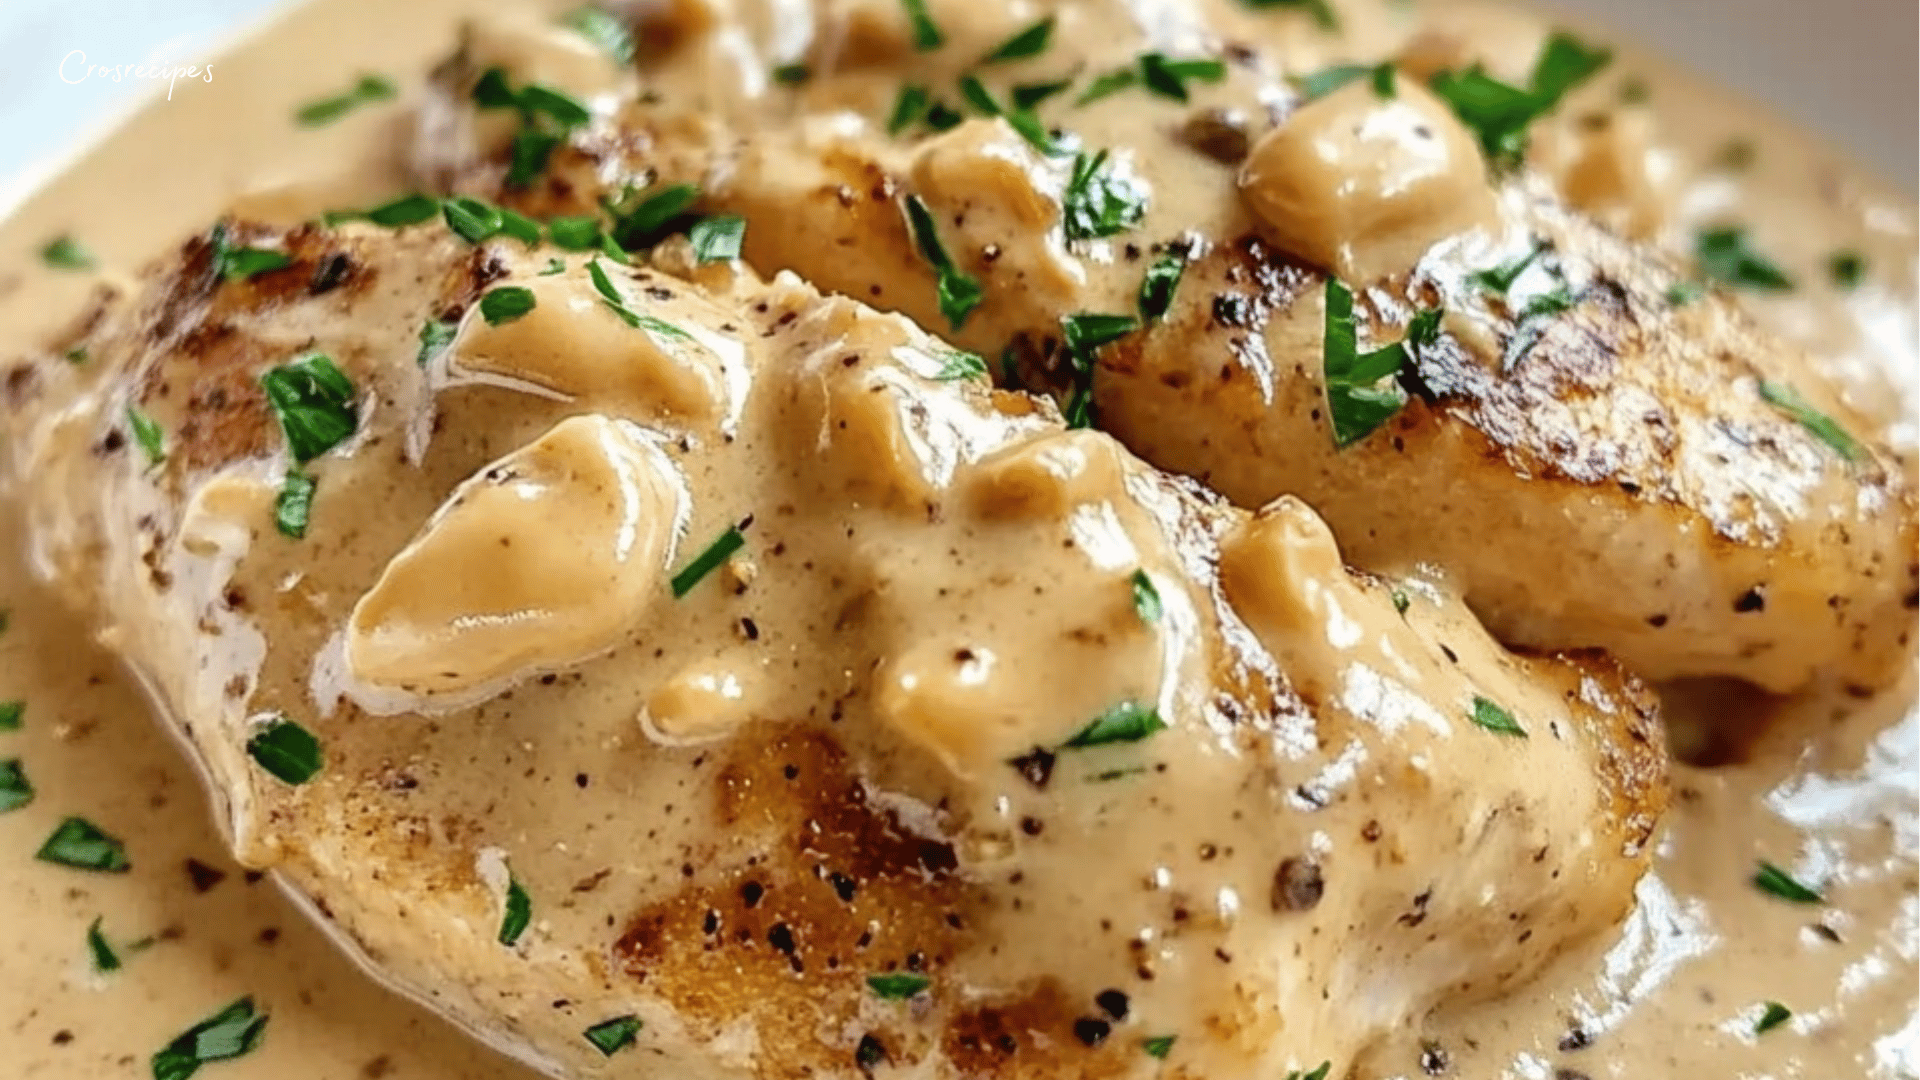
(1826, 791)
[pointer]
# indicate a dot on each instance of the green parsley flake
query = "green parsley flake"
(1848, 269)
(898, 985)
(958, 365)
(1818, 424)
(1027, 43)
(104, 958)
(1772, 1017)
(1158, 1047)
(1499, 114)
(238, 264)
(1682, 293)
(406, 210)
(1097, 202)
(1111, 83)
(530, 153)
(1315, 1074)
(708, 561)
(1401, 601)
(610, 295)
(80, 844)
(795, 74)
(1383, 82)
(1725, 255)
(65, 253)
(1325, 81)
(959, 292)
(11, 712)
(369, 89)
(909, 108)
(147, 433)
(602, 29)
(718, 238)
(555, 265)
(314, 401)
(1771, 879)
(516, 915)
(1158, 285)
(1488, 714)
(230, 1033)
(1501, 278)
(287, 751)
(612, 1036)
(1129, 721)
(647, 218)
(1359, 397)
(505, 304)
(16, 790)
(293, 506)
(1169, 78)
(1146, 598)
(1026, 96)
(581, 233)
(435, 336)
(1321, 10)
(926, 33)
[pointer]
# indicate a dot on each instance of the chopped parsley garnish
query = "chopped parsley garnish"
(287, 751)
(80, 844)
(708, 561)
(104, 958)
(1126, 722)
(1022, 121)
(1818, 424)
(236, 264)
(1533, 320)
(1501, 278)
(1488, 714)
(16, 790)
(1848, 269)
(1314, 1074)
(1158, 1047)
(897, 985)
(612, 1036)
(11, 712)
(943, 117)
(65, 253)
(1027, 43)
(531, 152)
(77, 355)
(604, 30)
(1321, 10)
(1325, 81)
(293, 506)
(1146, 598)
(505, 304)
(516, 915)
(477, 221)
(1682, 293)
(555, 265)
(435, 336)
(792, 74)
(148, 434)
(580, 233)
(646, 218)
(909, 108)
(1774, 1015)
(1087, 332)
(314, 401)
(1359, 397)
(718, 238)
(533, 101)
(1157, 287)
(610, 296)
(406, 210)
(1771, 879)
(926, 33)
(1097, 202)
(369, 89)
(957, 365)
(1169, 78)
(1383, 82)
(1725, 255)
(1111, 83)
(1028, 95)
(959, 292)
(1401, 601)
(230, 1033)
(1499, 113)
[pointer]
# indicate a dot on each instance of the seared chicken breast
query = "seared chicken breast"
(1582, 414)
(666, 672)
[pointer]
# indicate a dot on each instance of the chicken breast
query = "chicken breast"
(684, 675)
(1691, 487)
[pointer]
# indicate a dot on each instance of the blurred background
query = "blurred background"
(1844, 67)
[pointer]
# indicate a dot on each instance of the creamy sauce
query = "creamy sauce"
(1826, 792)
